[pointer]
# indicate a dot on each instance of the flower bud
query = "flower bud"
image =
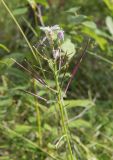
(60, 35)
(55, 54)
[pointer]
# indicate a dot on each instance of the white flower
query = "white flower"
(50, 29)
(55, 27)
(45, 29)
(53, 32)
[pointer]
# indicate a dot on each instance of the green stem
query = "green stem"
(9, 11)
(61, 108)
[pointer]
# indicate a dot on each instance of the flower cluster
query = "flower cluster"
(54, 29)
(55, 36)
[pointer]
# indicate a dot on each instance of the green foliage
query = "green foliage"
(30, 128)
(109, 23)
(4, 47)
(69, 48)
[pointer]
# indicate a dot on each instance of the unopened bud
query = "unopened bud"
(55, 54)
(60, 35)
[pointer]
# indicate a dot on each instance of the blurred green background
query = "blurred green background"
(92, 87)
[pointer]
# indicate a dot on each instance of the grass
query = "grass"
(40, 117)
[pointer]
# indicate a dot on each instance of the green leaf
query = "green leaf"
(4, 47)
(51, 64)
(6, 102)
(93, 26)
(73, 10)
(20, 11)
(109, 23)
(102, 42)
(69, 48)
(90, 24)
(20, 128)
(79, 123)
(43, 2)
(72, 104)
(78, 103)
(109, 4)
(34, 2)
(9, 62)
(77, 19)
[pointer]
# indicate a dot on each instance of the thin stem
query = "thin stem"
(76, 67)
(61, 108)
(9, 11)
(40, 16)
(31, 48)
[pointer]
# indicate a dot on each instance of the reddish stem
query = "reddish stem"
(74, 71)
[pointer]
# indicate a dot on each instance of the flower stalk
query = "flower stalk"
(62, 113)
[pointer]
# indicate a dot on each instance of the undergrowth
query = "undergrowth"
(56, 85)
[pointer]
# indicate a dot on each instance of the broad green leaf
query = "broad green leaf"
(102, 42)
(109, 4)
(103, 34)
(109, 23)
(69, 48)
(90, 24)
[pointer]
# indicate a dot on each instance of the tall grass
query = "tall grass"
(48, 74)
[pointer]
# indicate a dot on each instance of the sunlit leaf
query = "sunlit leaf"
(99, 39)
(4, 47)
(109, 23)
(43, 2)
(109, 4)
(73, 10)
(69, 48)
(90, 24)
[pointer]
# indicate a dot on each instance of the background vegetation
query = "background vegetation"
(29, 127)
